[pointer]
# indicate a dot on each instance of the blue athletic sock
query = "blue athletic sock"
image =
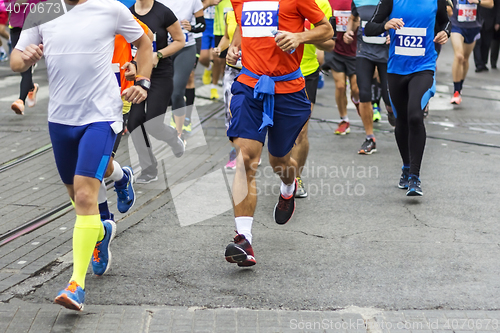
(104, 211)
(371, 136)
(406, 166)
(122, 181)
(457, 86)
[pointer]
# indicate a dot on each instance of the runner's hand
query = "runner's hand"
(395, 24)
(441, 37)
(186, 25)
(217, 50)
(130, 71)
(233, 54)
(287, 41)
(135, 94)
(155, 59)
(32, 54)
(349, 37)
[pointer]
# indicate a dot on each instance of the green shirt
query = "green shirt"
(219, 26)
(310, 62)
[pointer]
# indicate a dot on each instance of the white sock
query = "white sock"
(102, 196)
(244, 226)
(213, 86)
(117, 172)
(346, 118)
(287, 190)
(210, 66)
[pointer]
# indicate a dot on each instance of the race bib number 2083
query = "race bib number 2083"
(259, 18)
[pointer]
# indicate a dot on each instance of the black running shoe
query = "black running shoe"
(403, 181)
(391, 118)
(283, 211)
(414, 188)
(240, 252)
(368, 147)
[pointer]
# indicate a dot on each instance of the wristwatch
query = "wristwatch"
(144, 83)
(159, 55)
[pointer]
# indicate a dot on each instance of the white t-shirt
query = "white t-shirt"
(185, 10)
(78, 49)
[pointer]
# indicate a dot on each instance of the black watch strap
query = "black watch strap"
(145, 84)
(133, 62)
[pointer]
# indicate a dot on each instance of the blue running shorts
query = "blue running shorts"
(82, 150)
(470, 34)
(291, 112)
(208, 40)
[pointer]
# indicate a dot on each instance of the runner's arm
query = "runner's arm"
(178, 43)
(442, 19)
(322, 31)
(210, 3)
(144, 56)
(377, 24)
(483, 3)
(233, 52)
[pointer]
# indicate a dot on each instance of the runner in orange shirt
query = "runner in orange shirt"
(268, 98)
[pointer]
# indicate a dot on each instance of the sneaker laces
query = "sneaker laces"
(299, 182)
(96, 253)
(72, 286)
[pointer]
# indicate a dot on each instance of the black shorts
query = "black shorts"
(312, 81)
(223, 54)
(365, 68)
(340, 63)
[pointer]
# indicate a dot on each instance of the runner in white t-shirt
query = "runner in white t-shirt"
(190, 15)
(85, 114)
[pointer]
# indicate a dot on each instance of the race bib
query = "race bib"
(116, 70)
(154, 43)
(342, 17)
(466, 12)
(411, 42)
(381, 39)
(259, 18)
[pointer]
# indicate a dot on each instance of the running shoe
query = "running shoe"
(321, 82)
(456, 99)
(356, 104)
(214, 94)
(18, 107)
(183, 139)
(101, 259)
(368, 147)
(178, 147)
(301, 190)
(207, 77)
(187, 128)
(146, 178)
(343, 128)
(376, 113)
(414, 188)
(426, 111)
(231, 165)
(4, 57)
(403, 181)
(240, 252)
(72, 297)
(125, 192)
(391, 118)
(284, 209)
(31, 99)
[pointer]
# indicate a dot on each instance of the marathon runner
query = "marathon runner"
(342, 62)
(268, 98)
(371, 54)
(465, 30)
(85, 113)
(411, 68)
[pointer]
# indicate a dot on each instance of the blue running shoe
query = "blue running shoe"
(125, 192)
(72, 297)
(101, 259)
(403, 181)
(321, 82)
(414, 188)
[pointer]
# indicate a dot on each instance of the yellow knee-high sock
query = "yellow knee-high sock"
(85, 235)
